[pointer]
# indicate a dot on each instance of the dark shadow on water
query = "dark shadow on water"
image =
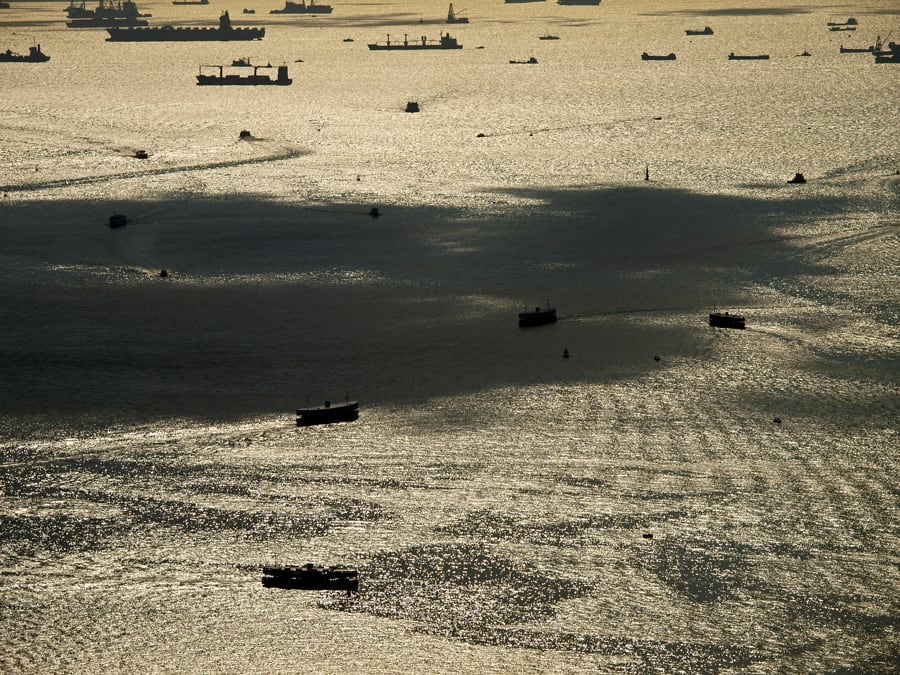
(266, 303)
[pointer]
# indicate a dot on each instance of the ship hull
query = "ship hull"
(236, 80)
(183, 34)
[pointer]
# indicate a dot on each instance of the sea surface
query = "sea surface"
(670, 498)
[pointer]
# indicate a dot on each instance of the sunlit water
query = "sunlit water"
(496, 498)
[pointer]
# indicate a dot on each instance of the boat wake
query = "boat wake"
(288, 153)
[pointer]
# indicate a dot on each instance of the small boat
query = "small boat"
(303, 7)
(706, 31)
(538, 317)
(117, 220)
(141, 154)
(548, 37)
(871, 49)
(748, 57)
(412, 106)
(530, 60)
(311, 577)
(798, 179)
(249, 11)
(445, 42)
(223, 78)
(453, 17)
(4, 5)
(328, 413)
(657, 57)
(726, 320)
(577, 2)
(34, 55)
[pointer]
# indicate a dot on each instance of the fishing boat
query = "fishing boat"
(311, 577)
(220, 77)
(747, 57)
(445, 42)
(705, 31)
(530, 60)
(453, 17)
(538, 317)
(224, 32)
(726, 320)
(328, 413)
(34, 55)
(657, 57)
(303, 7)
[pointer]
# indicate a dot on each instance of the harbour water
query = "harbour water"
(497, 499)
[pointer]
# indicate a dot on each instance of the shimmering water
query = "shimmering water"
(494, 495)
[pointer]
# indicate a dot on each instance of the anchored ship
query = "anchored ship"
(706, 31)
(311, 577)
(188, 34)
(303, 7)
(204, 77)
(34, 55)
(445, 42)
(658, 57)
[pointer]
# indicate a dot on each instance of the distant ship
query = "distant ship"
(303, 7)
(311, 577)
(747, 57)
(108, 15)
(328, 413)
(726, 320)
(452, 16)
(891, 55)
(188, 34)
(531, 60)
(577, 2)
(849, 22)
(223, 78)
(863, 50)
(657, 57)
(548, 36)
(706, 31)
(34, 55)
(105, 9)
(190, 2)
(842, 28)
(519, 1)
(538, 317)
(446, 42)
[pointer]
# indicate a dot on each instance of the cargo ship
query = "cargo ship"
(445, 42)
(230, 78)
(303, 7)
(187, 34)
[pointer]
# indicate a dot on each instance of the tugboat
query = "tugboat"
(726, 320)
(311, 577)
(657, 57)
(706, 31)
(446, 42)
(452, 16)
(329, 413)
(34, 55)
(171, 34)
(303, 7)
(538, 317)
(223, 78)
